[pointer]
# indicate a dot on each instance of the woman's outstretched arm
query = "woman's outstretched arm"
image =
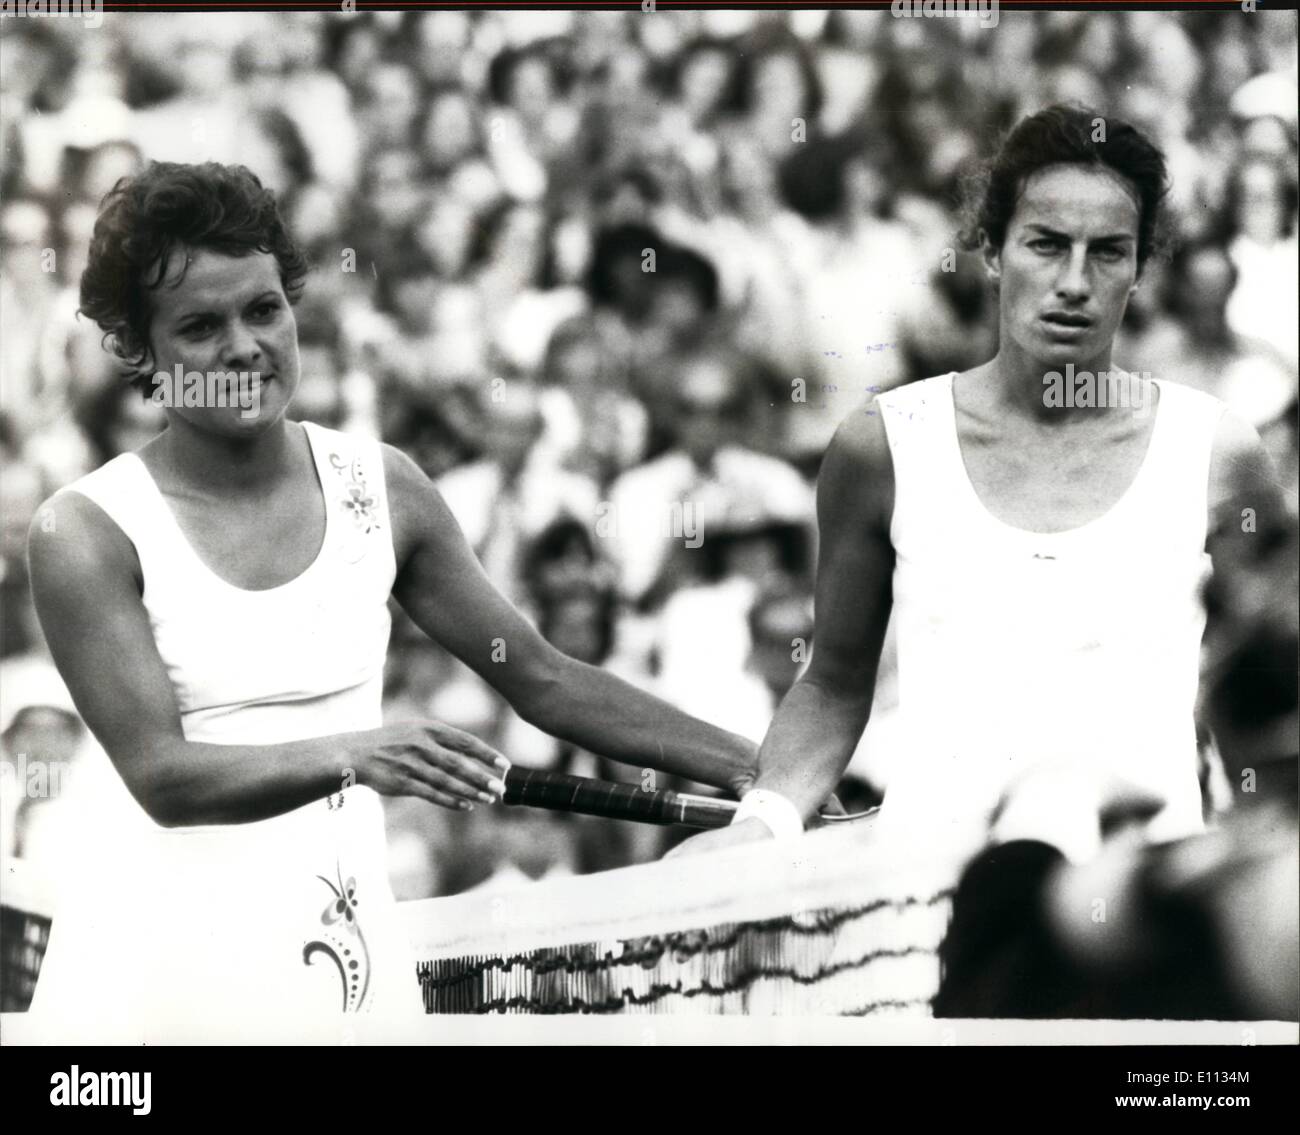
(444, 589)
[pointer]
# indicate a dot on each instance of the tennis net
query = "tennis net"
(25, 917)
(828, 925)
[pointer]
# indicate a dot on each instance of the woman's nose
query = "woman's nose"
(1073, 281)
(241, 349)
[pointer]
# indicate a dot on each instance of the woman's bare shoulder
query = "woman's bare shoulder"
(72, 540)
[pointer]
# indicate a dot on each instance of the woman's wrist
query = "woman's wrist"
(744, 771)
(343, 758)
(779, 814)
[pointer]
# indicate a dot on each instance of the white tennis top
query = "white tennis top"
(175, 930)
(1075, 651)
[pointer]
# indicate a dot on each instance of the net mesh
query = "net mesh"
(832, 928)
(849, 961)
(24, 931)
(828, 925)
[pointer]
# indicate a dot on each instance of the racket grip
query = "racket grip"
(539, 788)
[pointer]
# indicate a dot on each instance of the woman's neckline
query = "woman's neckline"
(193, 552)
(1130, 491)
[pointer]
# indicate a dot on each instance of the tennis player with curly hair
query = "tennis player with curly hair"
(217, 605)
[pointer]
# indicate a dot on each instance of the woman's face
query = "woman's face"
(520, 240)
(317, 214)
(1208, 282)
(1099, 43)
(395, 101)
(78, 224)
(531, 89)
(749, 176)
(704, 81)
(441, 39)
(24, 236)
(1070, 246)
(301, 39)
(578, 365)
(447, 233)
(707, 407)
(265, 63)
(779, 87)
(1268, 137)
(865, 187)
(226, 314)
(1259, 204)
(395, 193)
(449, 134)
(574, 628)
(358, 56)
(415, 298)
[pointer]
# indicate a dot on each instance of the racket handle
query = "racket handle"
(560, 792)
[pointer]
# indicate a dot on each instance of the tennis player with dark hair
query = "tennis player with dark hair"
(1040, 528)
(217, 604)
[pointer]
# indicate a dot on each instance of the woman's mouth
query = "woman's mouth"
(1065, 324)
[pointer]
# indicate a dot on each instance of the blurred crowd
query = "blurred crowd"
(612, 279)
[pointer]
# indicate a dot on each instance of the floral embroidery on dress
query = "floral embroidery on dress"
(343, 943)
(358, 503)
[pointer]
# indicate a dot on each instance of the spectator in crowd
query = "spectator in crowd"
(40, 737)
(22, 488)
(28, 288)
(533, 123)
(509, 496)
(850, 284)
(514, 280)
(1197, 345)
(451, 137)
(1264, 304)
(662, 511)
(389, 107)
(593, 421)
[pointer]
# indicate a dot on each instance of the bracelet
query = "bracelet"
(777, 813)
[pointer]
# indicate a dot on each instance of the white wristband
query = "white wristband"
(776, 812)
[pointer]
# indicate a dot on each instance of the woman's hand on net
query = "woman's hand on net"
(433, 761)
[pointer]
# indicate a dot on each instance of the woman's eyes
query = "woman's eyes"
(199, 328)
(1046, 244)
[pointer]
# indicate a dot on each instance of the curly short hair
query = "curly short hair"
(1066, 134)
(142, 219)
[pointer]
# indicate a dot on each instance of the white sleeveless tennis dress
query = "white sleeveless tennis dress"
(233, 930)
(1018, 651)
